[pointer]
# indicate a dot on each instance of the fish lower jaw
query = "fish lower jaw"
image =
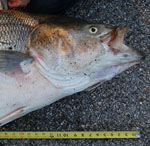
(124, 66)
(107, 73)
(127, 64)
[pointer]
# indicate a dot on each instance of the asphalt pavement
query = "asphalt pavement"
(120, 104)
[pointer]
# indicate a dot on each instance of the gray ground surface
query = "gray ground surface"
(120, 104)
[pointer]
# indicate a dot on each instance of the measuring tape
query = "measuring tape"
(68, 135)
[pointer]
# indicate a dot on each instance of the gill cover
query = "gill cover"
(45, 46)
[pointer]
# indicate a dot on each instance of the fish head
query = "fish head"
(76, 56)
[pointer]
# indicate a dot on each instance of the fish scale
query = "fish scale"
(15, 28)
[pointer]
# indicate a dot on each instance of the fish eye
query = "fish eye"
(93, 29)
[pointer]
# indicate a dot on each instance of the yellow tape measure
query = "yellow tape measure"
(68, 135)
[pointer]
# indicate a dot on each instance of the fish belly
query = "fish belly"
(19, 96)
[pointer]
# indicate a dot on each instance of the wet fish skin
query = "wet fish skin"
(53, 58)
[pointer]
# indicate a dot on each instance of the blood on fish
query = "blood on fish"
(115, 51)
(39, 56)
(113, 36)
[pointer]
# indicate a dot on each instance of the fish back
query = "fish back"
(15, 28)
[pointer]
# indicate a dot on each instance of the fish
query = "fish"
(45, 58)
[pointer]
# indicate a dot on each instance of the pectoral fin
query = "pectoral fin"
(11, 61)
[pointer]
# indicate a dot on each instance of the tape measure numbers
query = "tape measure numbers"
(68, 135)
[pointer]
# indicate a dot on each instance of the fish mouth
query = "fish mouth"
(115, 42)
(117, 34)
(118, 56)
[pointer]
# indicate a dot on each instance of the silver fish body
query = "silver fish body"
(46, 58)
